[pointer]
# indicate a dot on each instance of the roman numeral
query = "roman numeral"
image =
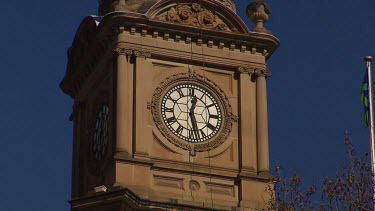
(191, 134)
(214, 116)
(202, 133)
(179, 130)
(180, 92)
(210, 105)
(170, 98)
(171, 120)
(211, 127)
(169, 110)
(191, 91)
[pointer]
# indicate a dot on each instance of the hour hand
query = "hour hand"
(193, 103)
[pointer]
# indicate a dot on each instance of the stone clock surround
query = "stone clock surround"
(192, 77)
(144, 46)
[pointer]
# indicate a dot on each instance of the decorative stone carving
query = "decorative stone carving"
(263, 73)
(193, 15)
(194, 185)
(254, 71)
(139, 53)
(133, 53)
(258, 11)
(123, 51)
(228, 3)
(192, 77)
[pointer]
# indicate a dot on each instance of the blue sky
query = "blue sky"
(313, 94)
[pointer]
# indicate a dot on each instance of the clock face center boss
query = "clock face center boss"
(190, 110)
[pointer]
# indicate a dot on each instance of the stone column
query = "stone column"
(248, 132)
(124, 99)
(262, 121)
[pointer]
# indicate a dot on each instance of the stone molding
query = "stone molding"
(258, 72)
(192, 77)
(194, 15)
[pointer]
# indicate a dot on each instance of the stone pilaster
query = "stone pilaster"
(124, 100)
(262, 121)
(248, 130)
(143, 69)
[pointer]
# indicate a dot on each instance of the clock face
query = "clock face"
(99, 142)
(191, 112)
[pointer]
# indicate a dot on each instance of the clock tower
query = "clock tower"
(170, 106)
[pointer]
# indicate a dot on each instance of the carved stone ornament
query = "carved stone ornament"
(131, 52)
(138, 53)
(194, 15)
(123, 51)
(192, 77)
(258, 11)
(228, 3)
(254, 71)
(256, 6)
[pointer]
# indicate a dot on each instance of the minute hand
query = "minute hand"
(192, 116)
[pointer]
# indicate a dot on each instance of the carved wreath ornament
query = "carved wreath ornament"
(193, 78)
(193, 15)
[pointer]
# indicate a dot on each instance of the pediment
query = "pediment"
(208, 14)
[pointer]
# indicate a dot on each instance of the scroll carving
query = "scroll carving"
(194, 15)
(263, 73)
(123, 51)
(254, 71)
(144, 54)
(132, 53)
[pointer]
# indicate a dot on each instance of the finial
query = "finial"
(258, 11)
(368, 59)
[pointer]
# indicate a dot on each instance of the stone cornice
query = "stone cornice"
(104, 37)
(138, 24)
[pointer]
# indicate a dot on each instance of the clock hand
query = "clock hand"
(195, 126)
(193, 103)
(192, 116)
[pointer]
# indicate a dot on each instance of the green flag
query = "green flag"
(365, 99)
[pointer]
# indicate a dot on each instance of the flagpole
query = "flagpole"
(368, 60)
